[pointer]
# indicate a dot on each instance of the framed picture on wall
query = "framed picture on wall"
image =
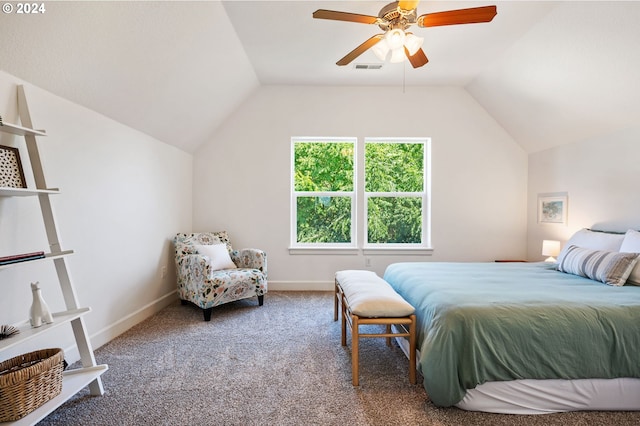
(552, 208)
(11, 174)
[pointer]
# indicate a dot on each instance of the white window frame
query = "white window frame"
(424, 195)
(309, 248)
(359, 202)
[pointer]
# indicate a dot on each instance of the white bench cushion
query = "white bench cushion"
(368, 295)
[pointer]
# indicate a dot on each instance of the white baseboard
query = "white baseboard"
(112, 331)
(301, 285)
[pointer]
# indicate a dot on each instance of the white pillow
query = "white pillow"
(218, 256)
(594, 240)
(631, 244)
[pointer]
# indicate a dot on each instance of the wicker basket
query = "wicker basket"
(27, 381)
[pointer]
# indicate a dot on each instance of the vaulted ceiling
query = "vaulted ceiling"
(550, 73)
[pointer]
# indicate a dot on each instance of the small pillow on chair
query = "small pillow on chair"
(218, 256)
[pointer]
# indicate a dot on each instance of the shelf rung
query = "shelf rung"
(47, 256)
(14, 129)
(27, 332)
(25, 192)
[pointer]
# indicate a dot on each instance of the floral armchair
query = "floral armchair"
(206, 277)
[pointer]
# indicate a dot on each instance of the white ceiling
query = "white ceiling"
(287, 46)
(550, 73)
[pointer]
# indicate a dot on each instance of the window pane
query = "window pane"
(394, 167)
(323, 166)
(323, 219)
(394, 220)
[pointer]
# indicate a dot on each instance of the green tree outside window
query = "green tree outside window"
(322, 171)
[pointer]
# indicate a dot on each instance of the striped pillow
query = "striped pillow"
(609, 267)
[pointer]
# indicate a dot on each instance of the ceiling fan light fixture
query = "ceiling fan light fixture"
(413, 43)
(381, 49)
(395, 38)
(397, 55)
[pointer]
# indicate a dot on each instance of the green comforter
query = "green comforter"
(480, 322)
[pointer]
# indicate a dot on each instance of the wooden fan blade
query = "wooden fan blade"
(418, 59)
(344, 16)
(408, 4)
(473, 15)
(360, 49)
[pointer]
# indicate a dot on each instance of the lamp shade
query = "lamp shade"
(381, 49)
(413, 43)
(395, 41)
(550, 248)
(395, 38)
(397, 55)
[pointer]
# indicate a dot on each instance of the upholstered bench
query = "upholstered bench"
(366, 299)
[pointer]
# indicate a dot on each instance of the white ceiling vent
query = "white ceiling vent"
(368, 66)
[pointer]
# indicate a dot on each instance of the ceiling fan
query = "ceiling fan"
(394, 19)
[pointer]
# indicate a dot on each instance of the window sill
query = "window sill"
(403, 251)
(325, 250)
(371, 251)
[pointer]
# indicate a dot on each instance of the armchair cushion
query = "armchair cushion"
(218, 256)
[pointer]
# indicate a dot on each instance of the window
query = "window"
(323, 212)
(390, 197)
(395, 192)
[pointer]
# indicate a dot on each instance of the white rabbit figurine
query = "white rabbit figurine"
(40, 313)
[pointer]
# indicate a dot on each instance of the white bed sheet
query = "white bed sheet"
(531, 396)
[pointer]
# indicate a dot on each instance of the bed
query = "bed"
(528, 338)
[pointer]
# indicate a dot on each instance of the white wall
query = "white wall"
(600, 175)
(479, 179)
(123, 196)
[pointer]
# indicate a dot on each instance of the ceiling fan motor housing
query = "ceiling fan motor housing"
(392, 17)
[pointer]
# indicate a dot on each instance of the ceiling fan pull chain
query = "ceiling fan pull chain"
(404, 76)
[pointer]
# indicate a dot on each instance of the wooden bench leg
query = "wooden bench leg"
(335, 302)
(344, 322)
(355, 338)
(412, 350)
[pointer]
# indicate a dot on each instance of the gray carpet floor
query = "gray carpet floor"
(278, 364)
